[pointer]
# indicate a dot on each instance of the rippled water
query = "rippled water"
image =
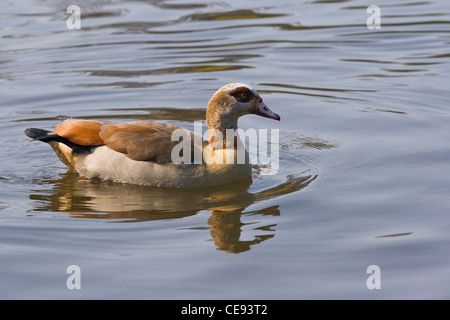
(363, 150)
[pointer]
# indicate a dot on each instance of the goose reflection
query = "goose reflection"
(121, 203)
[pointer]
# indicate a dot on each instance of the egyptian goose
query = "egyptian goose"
(140, 152)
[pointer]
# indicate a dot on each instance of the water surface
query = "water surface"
(363, 150)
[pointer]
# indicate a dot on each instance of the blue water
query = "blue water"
(363, 150)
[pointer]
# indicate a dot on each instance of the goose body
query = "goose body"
(141, 152)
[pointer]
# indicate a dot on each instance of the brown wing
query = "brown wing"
(141, 140)
(82, 132)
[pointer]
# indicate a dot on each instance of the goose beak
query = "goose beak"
(262, 110)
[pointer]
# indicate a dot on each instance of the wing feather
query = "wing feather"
(141, 140)
(82, 132)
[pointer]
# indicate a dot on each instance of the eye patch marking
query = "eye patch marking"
(242, 94)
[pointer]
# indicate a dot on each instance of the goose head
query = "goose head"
(233, 101)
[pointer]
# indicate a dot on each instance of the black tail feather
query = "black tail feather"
(48, 136)
(37, 134)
